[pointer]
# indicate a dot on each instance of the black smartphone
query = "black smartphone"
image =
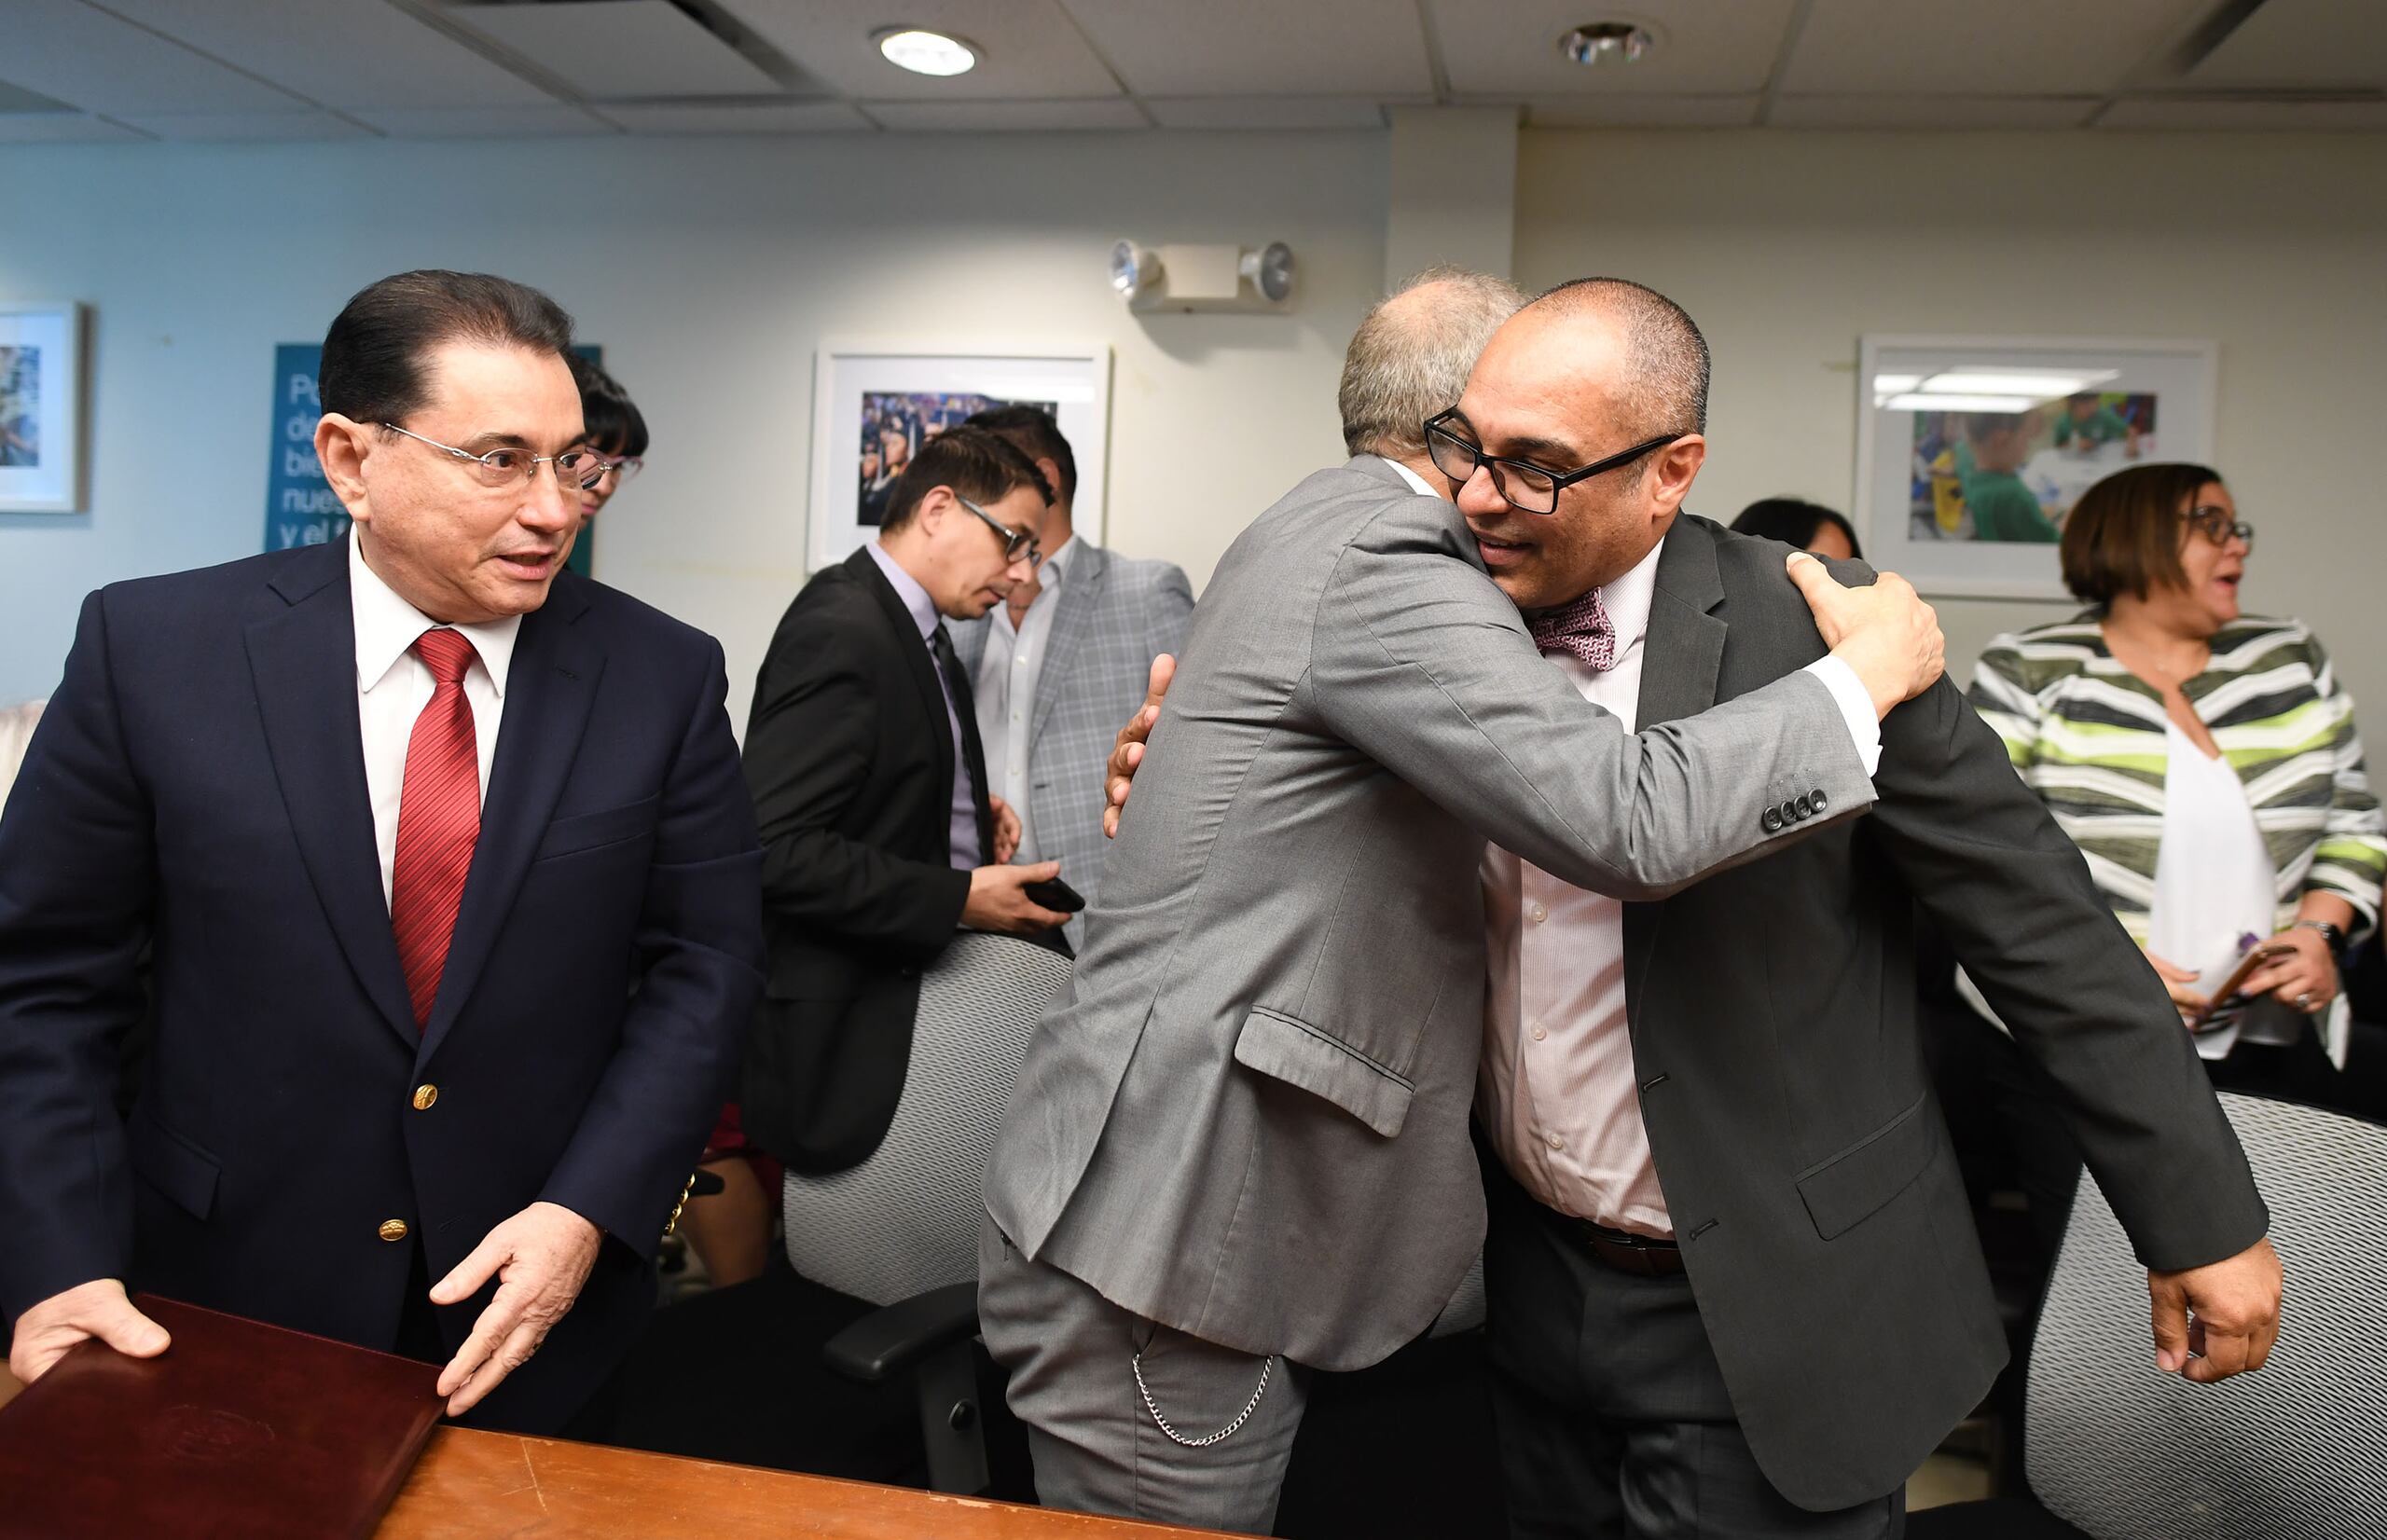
(1052, 893)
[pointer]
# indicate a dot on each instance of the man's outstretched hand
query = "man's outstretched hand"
(1883, 631)
(2235, 1307)
(540, 1257)
(1127, 753)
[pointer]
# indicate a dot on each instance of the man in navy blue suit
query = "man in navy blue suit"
(448, 887)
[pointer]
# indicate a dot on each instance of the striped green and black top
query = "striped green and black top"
(2088, 737)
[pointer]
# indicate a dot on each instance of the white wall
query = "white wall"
(708, 269)
(1785, 246)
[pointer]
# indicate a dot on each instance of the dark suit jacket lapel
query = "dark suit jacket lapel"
(918, 663)
(550, 687)
(304, 662)
(1681, 657)
(1072, 613)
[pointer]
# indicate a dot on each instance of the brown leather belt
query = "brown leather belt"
(1620, 1249)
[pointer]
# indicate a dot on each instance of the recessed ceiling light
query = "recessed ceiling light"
(1608, 43)
(925, 52)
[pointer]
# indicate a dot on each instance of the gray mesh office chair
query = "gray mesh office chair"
(2296, 1450)
(901, 1229)
(905, 1220)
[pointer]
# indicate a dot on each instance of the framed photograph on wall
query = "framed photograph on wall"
(874, 405)
(41, 409)
(1971, 451)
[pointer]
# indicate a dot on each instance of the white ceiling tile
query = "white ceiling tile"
(553, 119)
(2189, 112)
(65, 50)
(1512, 49)
(305, 124)
(341, 53)
(2009, 47)
(2306, 43)
(62, 127)
(1261, 47)
(1006, 116)
(1266, 112)
(1027, 49)
(1931, 112)
(1643, 111)
(620, 48)
(661, 118)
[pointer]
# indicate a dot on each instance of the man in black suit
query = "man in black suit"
(880, 834)
(1732, 1270)
(448, 885)
(1733, 1283)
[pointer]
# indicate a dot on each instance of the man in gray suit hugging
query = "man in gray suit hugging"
(1733, 1282)
(1238, 1148)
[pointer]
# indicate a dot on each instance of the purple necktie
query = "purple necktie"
(1581, 628)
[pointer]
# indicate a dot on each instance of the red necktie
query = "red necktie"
(440, 819)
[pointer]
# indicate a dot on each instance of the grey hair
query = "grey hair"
(1664, 351)
(1407, 362)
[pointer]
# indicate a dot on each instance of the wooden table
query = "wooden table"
(479, 1486)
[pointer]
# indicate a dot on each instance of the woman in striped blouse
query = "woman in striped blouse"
(2206, 764)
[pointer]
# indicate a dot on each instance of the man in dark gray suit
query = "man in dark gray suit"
(1733, 1283)
(1062, 661)
(1240, 1136)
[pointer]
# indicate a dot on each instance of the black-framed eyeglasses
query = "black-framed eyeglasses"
(1529, 488)
(1014, 540)
(574, 469)
(2217, 526)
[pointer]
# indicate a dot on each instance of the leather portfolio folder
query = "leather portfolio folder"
(238, 1429)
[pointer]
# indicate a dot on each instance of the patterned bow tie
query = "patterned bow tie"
(1581, 628)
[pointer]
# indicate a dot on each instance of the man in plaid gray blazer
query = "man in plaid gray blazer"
(1057, 670)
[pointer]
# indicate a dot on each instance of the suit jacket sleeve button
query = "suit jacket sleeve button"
(1820, 801)
(1773, 821)
(1806, 808)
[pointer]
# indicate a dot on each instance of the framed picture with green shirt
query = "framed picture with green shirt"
(1971, 451)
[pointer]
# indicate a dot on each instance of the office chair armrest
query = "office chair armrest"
(895, 1338)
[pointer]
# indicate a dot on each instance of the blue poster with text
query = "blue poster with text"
(301, 508)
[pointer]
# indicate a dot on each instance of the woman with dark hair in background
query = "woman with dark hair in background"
(2206, 764)
(614, 428)
(1795, 521)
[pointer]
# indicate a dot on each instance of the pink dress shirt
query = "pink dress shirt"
(1556, 1092)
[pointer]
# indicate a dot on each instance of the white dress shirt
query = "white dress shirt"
(1556, 1092)
(1008, 672)
(1412, 477)
(2214, 883)
(393, 686)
